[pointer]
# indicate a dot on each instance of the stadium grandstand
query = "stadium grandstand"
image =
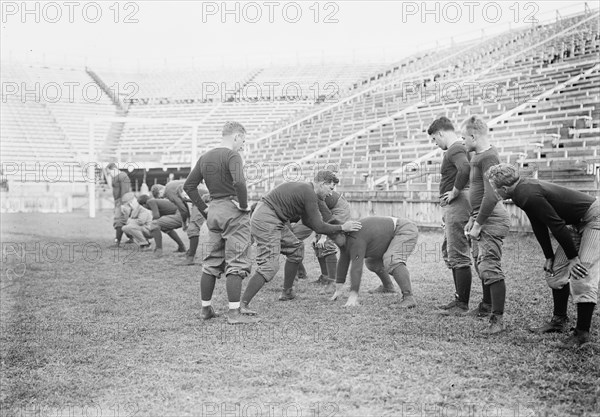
(538, 86)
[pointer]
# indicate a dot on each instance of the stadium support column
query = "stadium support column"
(194, 145)
(91, 174)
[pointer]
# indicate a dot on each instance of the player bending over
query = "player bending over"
(165, 219)
(573, 218)
(337, 208)
(384, 245)
(290, 201)
(192, 219)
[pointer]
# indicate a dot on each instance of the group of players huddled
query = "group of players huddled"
(472, 187)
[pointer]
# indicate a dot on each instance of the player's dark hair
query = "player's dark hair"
(441, 123)
(327, 176)
(143, 199)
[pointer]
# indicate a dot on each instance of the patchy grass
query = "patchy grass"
(91, 330)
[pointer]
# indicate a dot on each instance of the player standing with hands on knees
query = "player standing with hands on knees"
(575, 267)
(228, 220)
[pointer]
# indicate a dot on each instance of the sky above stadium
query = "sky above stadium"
(158, 34)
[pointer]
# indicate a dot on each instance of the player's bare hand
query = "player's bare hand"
(338, 292)
(351, 226)
(576, 268)
(475, 231)
(449, 196)
(352, 300)
(185, 226)
(237, 205)
(320, 243)
(549, 266)
(469, 225)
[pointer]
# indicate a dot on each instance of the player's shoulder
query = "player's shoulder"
(456, 148)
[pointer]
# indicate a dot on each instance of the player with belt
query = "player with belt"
(228, 220)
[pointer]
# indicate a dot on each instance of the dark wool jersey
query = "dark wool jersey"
(550, 206)
(121, 184)
(455, 168)
(222, 170)
(160, 207)
(292, 201)
(173, 194)
(372, 241)
(481, 195)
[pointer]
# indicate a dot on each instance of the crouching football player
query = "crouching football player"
(384, 245)
(165, 219)
(573, 218)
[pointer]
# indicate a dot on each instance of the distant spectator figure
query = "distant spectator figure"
(121, 185)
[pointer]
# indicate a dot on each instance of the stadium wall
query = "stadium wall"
(424, 213)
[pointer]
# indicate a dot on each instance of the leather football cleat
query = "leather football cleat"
(287, 295)
(496, 324)
(236, 317)
(577, 340)
(408, 301)
(479, 312)
(557, 324)
(245, 310)
(382, 290)
(208, 313)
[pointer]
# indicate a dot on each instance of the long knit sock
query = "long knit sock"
(289, 274)
(561, 300)
(463, 279)
(498, 296)
(254, 285)
(487, 296)
(323, 265)
(234, 288)
(119, 234)
(193, 245)
(585, 311)
(173, 235)
(207, 286)
(157, 235)
(331, 262)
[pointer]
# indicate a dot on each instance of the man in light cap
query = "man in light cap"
(139, 220)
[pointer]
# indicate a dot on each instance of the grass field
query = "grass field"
(87, 331)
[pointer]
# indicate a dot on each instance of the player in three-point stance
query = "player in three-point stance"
(384, 245)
